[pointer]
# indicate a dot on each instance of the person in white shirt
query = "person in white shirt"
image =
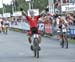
(6, 25)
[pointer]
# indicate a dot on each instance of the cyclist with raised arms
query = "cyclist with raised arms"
(33, 22)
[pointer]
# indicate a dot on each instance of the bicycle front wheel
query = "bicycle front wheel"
(37, 53)
(34, 53)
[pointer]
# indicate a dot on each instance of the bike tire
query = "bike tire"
(62, 44)
(34, 53)
(36, 50)
(37, 53)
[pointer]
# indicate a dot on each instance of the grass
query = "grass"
(17, 30)
(71, 41)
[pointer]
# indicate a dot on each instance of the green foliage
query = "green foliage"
(40, 4)
(0, 10)
(7, 8)
(22, 4)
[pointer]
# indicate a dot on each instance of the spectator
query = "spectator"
(58, 5)
(65, 1)
(72, 1)
(56, 14)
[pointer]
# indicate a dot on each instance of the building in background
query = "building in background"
(51, 6)
(56, 5)
(68, 6)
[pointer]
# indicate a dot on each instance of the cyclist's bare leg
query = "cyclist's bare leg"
(66, 40)
(6, 29)
(62, 38)
(29, 39)
(3, 29)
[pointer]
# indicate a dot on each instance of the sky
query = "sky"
(5, 2)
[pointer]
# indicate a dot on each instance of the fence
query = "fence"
(20, 25)
(71, 32)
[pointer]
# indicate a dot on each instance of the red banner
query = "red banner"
(48, 28)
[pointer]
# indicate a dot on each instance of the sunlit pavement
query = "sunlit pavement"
(15, 47)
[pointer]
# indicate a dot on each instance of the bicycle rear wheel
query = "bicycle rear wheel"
(34, 53)
(62, 44)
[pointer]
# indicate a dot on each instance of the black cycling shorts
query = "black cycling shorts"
(34, 30)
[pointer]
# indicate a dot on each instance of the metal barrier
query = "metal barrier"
(71, 32)
(21, 25)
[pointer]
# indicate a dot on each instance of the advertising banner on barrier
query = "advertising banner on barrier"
(48, 28)
(6, 15)
(36, 12)
(68, 7)
(18, 13)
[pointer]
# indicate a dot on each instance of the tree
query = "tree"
(22, 4)
(40, 4)
(0, 10)
(37, 4)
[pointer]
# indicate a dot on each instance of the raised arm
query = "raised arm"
(41, 14)
(23, 12)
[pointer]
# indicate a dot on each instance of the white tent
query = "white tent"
(17, 13)
(36, 12)
(6, 15)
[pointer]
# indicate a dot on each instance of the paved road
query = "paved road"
(14, 47)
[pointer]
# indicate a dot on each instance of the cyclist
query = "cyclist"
(63, 24)
(33, 22)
